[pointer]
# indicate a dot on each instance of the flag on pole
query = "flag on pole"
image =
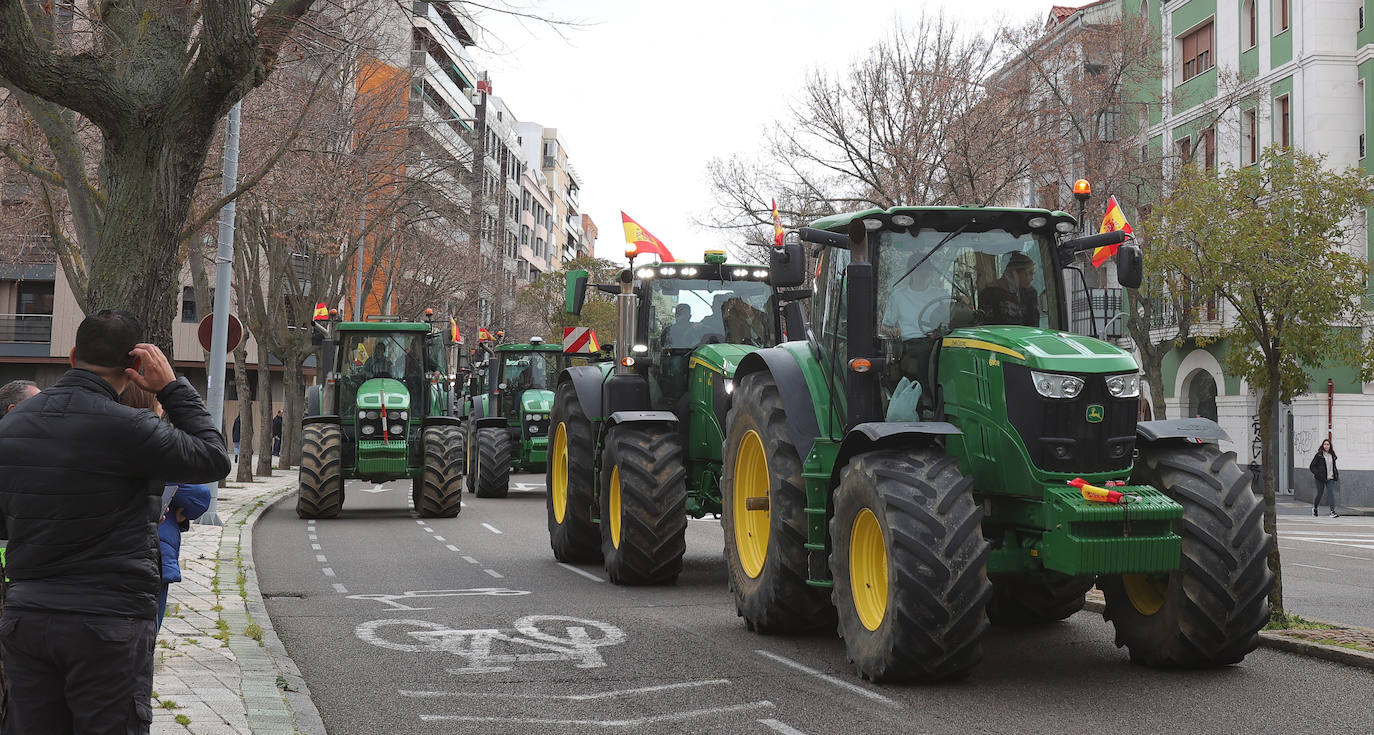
(321, 312)
(777, 226)
(1112, 221)
(483, 335)
(644, 242)
(453, 334)
(360, 355)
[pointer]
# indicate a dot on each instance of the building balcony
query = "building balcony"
(26, 328)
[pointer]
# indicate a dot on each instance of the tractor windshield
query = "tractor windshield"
(367, 355)
(524, 370)
(684, 313)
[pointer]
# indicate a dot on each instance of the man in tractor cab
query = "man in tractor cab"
(682, 333)
(917, 311)
(1012, 299)
(377, 364)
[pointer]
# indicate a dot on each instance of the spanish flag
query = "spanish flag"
(453, 334)
(321, 312)
(1112, 221)
(777, 226)
(643, 242)
(483, 335)
(359, 355)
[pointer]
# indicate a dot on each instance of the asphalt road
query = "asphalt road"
(1328, 565)
(468, 625)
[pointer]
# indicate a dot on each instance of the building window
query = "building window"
(1249, 19)
(1281, 15)
(1207, 140)
(1361, 9)
(1249, 133)
(188, 305)
(1185, 149)
(1281, 114)
(1197, 51)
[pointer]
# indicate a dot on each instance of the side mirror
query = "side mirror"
(787, 265)
(1130, 265)
(575, 294)
(1067, 248)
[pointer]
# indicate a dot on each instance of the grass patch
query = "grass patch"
(167, 704)
(254, 631)
(183, 720)
(1296, 622)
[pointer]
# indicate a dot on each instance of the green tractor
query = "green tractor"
(916, 467)
(385, 412)
(637, 440)
(507, 414)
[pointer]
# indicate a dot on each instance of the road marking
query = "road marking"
(782, 727)
(636, 722)
(340, 588)
(320, 557)
(494, 573)
(572, 697)
(376, 489)
(1343, 556)
(315, 547)
(827, 677)
(422, 522)
(491, 528)
(391, 600)
(582, 572)
(1313, 566)
(327, 571)
(313, 537)
(427, 529)
(440, 538)
(451, 547)
(477, 646)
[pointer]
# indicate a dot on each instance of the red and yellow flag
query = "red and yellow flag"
(483, 335)
(321, 312)
(1112, 221)
(453, 334)
(643, 242)
(777, 226)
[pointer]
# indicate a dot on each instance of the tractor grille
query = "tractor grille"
(1056, 431)
(536, 426)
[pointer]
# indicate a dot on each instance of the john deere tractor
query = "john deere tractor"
(507, 418)
(384, 412)
(940, 452)
(637, 441)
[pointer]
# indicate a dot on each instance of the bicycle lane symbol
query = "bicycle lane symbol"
(489, 650)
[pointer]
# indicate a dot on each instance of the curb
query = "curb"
(275, 696)
(1280, 642)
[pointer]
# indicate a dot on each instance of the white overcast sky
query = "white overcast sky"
(646, 92)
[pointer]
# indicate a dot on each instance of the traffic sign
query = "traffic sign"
(205, 330)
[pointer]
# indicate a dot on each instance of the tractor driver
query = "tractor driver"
(682, 333)
(917, 310)
(1012, 299)
(377, 364)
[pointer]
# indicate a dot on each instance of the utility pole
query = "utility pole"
(224, 266)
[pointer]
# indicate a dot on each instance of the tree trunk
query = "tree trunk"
(246, 432)
(294, 402)
(1269, 474)
(265, 404)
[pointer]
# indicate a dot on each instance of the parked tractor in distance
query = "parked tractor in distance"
(940, 452)
(636, 443)
(385, 411)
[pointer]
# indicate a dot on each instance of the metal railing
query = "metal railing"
(26, 328)
(1106, 312)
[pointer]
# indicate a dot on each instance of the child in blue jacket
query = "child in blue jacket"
(188, 503)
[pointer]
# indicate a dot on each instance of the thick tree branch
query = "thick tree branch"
(81, 82)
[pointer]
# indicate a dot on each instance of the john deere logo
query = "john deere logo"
(1096, 413)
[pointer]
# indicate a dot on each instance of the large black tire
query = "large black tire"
(643, 504)
(573, 533)
(1210, 611)
(1019, 600)
(440, 487)
(494, 450)
(765, 548)
(913, 607)
(470, 455)
(321, 488)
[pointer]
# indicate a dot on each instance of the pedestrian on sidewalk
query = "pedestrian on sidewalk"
(236, 438)
(1325, 473)
(81, 481)
(276, 434)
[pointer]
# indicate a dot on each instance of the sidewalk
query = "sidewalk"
(220, 669)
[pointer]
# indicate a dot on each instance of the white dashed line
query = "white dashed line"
(491, 528)
(582, 572)
(340, 588)
(1313, 566)
(782, 727)
(469, 560)
(315, 547)
(320, 557)
(422, 522)
(827, 677)
(327, 571)
(440, 538)
(1360, 558)
(494, 573)
(451, 547)
(427, 529)
(313, 537)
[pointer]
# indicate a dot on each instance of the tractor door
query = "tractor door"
(829, 325)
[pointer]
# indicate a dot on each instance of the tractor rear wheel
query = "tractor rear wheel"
(765, 544)
(439, 489)
(470, 458)
(643, 504)
(1018, 600)
(573, 534)
(1208, 612)
(909, 563)
(494, 448)
(321, 491)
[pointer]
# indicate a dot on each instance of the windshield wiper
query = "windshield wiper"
(957, 231)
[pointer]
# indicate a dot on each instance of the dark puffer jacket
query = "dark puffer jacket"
(81, 481)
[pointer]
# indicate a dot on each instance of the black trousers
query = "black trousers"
(72, 674)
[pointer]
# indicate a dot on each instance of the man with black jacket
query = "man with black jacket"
(81, 480)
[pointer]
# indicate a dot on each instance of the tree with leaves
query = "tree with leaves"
(1278, 243)
(544, 300)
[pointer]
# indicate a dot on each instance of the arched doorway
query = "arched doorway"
(1202, 395)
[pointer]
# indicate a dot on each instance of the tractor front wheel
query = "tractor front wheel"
(909, 563)
(321, 491)
(1017, 600)
(643, 505)
(763, 515)
(494, 449)
(1209, 611)
(439, 488)
(573, 534)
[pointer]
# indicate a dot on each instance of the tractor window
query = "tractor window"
(522, 370)
(685, 313)
(368, 355)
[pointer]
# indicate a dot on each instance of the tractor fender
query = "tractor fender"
(641, 417)
(320, 419)
(796, 396)
(586, 380)
(441, 421)
(887, 435)
(1195, 428)
(489, 422)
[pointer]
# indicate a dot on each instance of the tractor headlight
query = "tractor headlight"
(729, 386)
(397, 428)
(369, 430)
(373, 415)
(362, 414)
(1054, 385)
(402, 415)
(1124, 386)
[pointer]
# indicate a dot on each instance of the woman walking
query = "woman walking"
(1325, 473)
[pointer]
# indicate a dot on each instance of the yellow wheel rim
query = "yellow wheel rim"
(559, 491)
(1146, 592)
(751, 526)
(868, 569)
(614, 502)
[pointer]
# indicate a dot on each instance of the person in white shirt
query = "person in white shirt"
(917, 310)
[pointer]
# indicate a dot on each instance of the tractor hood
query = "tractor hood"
(721, 358)
(1044, 349)
(379, 392)
(536, 401)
